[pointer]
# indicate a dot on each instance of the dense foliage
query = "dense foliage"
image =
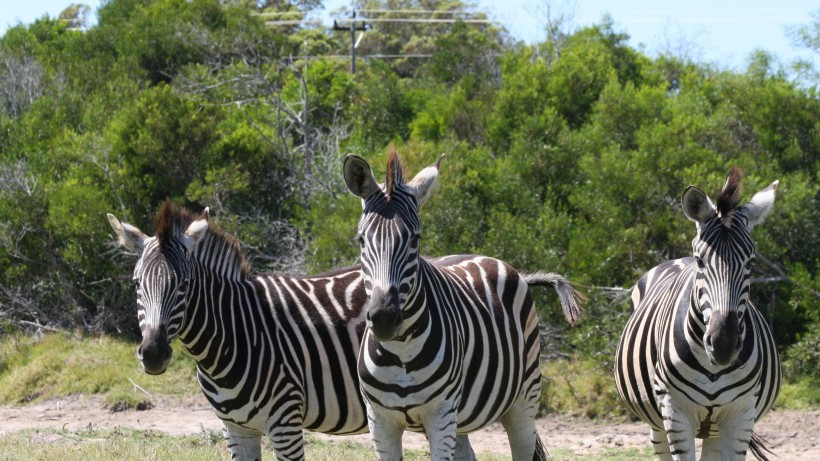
(568, 155)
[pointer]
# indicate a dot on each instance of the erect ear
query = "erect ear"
(696, 205)
(760, 206)
(359, 177)
(196, 231)
(127, 235)
(426, 182)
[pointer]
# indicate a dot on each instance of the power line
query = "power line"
(420, 12)
(432, 20)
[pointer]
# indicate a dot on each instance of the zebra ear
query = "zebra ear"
(128, 236)
(196, 231)
(426, 182)
(359, 177)
(696, 205)
(760, 206)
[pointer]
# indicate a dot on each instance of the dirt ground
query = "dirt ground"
(792, 435)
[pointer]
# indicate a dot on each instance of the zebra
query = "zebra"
(275, 354)
(696, 359)
(452, 344)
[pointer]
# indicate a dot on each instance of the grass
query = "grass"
(57, 365)
(801, 393)
(579, 388)
(128, 445)
(62, 364)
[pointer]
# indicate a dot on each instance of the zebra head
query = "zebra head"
(161, 277)
(388, 236)
(724, 251)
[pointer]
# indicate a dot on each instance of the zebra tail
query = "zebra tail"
(758, 445)
(571, 298)
(540, 450)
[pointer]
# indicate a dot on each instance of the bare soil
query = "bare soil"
(791, 434)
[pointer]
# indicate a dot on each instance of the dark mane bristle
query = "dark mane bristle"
(171, 221)
(395, 170)
(729, 197)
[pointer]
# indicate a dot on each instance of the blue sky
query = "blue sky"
(723, 32)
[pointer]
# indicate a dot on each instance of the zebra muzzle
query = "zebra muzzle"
(384, 314)
(723, 340)
(154, 353)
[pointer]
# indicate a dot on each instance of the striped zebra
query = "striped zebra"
(452, 344)
(275, 354)
(696, 358)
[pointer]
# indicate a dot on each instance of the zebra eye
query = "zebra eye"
(700, 263)
(414, 241)
(360, 241)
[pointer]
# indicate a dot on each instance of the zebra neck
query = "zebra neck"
(220, 257)
(217, 321)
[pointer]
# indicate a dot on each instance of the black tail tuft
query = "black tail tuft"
(540, 451)
(758, 447)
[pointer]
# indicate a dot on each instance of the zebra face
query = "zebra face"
(389, 255)
(724, 258)
(389, 235)
(161, 279)
(724, 252)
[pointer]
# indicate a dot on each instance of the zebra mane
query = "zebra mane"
(729, 197)
(395, 171)
(172, 221)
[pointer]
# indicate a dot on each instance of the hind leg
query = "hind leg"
(519, 423)
(660, 444)
(464, 451)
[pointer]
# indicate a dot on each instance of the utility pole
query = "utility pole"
(353, 43)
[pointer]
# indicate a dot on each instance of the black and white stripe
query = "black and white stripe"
(274, 354)
(696, 358)
(452, 344)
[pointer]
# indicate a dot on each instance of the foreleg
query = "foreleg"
(244, 444)
(385, 433)
(679, 432)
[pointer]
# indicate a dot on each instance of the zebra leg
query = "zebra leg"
(385, 433)
(710, 450)
(244, 444)
(519, 423)
(464, 451)
(442, 437)
(440, 424)
(735, 433)
(660, 444)
(288, 442)
(679, 432)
